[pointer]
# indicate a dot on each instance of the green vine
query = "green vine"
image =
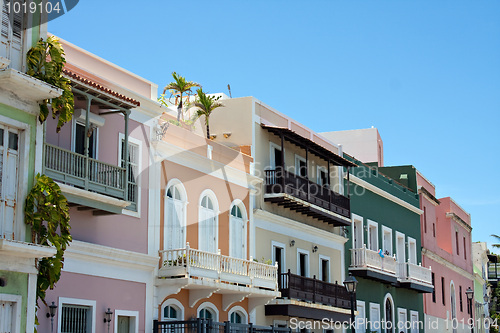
(47, 213)
(45, 62)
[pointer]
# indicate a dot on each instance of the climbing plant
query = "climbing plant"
(47, 212)
(45, 61)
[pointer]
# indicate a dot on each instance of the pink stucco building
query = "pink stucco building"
(446, 247)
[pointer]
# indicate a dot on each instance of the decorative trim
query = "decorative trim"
(240, 309)
(25, 250)
(457, 219)
(435, 257)
(175, 302)
(428, 195)
(208, 305)
(358, 181)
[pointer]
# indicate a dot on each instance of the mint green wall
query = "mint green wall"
(17, 284)
(372, 206)
(30, 120)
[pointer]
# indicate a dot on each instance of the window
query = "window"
(322, 176)
(172, 310)
(442, 291)
(174, 231)
(208, 223)
(208, 311)
(10, 313)
(375, 318)
(434, 229)
(134, 156)
(324, 268)
(276, 156)
(361, 317)
(456, 242)
(402, 320)
(372, 235)
(460, 298)
(387, 241)
(302, 262)
(300, 166)
(465, 250)
(412, 250)
(389, 314)
(434, 289)
(79, 140)
(357, 224)
(9, 165)
(126, 321)
(400, 247)
(76, 318)
(11, 36)
(414, 322)
(278, 256)
(425, 219)
(238, 231)
(237, 315)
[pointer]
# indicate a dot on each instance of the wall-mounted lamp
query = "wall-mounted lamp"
(107, 317)
(315, 248)
(51, 314)
(227, 134)
(292, 243)
(213, 136)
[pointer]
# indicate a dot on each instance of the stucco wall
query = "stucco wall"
(17, 284)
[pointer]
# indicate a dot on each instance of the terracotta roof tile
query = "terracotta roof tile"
(100, 87)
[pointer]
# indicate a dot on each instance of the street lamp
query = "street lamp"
(350, 284)
(470, 293)
(107, 317)
(51, 314)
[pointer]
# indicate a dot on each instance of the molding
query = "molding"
(435, 257)
(111, 256)
(428, 196)
(181, 156)
(300, 230)
(457, 219)
(25, 250)
(358, 181)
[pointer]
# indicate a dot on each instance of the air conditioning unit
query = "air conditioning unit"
(94, 119)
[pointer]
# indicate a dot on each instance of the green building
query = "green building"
(384, 253)
(21, 139)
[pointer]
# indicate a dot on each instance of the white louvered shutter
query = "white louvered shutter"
(6, 314)
(9, 153)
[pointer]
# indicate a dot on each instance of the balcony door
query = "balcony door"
(357, 225)
(238, 232)
(9, 164)
(208, 228)
(276, 156)
(400, 247)
(79, 140)
(175, 229)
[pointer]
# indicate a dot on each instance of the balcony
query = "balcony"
(205, 273)
(369, 263)
(414, 276)
(87, 174)
(208, 326)
(306, 197)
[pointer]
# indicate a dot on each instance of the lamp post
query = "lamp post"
(470, 293)
(350, 284)
(51, 314)
(107, 317)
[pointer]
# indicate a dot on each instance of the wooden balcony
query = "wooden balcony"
(87, 174)
(370, 264)
(313, 290)
(306, 197)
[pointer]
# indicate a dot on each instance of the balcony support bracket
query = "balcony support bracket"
(197, 294)
(254, 302)
(230, 299)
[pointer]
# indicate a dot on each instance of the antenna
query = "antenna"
(229, 88)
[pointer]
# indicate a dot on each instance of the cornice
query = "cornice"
(457, 219)
(435, 257)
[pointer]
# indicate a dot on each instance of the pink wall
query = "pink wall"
(119, 231)
(108, 293)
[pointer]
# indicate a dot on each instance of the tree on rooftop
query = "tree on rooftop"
(181, 87)
(205, 105)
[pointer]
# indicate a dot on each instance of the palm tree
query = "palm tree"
(498, 239)
(181, 86)
(205, 106)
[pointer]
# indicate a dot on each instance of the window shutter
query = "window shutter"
(6, 316)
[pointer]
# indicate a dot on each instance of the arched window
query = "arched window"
(208, 222)
(172, 310)
(238, 231)
(208, 311)
(175, 216)
(389, 314)
(238, 315)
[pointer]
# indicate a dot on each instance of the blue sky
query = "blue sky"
(425, 73)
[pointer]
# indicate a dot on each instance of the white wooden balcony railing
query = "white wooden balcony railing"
(188, 262)
(408, 272)
(366, 258)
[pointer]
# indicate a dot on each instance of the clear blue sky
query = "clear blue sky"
(425, 73)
